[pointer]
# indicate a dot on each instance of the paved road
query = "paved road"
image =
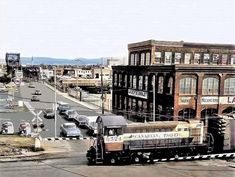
(46, 101)
(75, 166)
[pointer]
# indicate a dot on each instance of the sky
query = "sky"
(104, 28)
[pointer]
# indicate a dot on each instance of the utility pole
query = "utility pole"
(102, 89)
(55, 106)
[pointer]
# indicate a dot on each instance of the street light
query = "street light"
(55, 107)
(102, 85)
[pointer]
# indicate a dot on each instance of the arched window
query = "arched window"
(229, 86)
(160, 84)
(188, 85)
(170, 85)
(210, 86)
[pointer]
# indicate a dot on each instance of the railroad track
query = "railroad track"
(198, 157)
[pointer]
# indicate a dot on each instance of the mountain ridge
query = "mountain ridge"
(60, 61)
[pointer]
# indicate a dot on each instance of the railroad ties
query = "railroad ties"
(198, 157)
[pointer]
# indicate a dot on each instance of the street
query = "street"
(75, 165)
(46, 102)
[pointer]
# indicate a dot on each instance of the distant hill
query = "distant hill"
(59, 61)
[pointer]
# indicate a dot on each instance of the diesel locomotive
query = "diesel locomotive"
(118, 141)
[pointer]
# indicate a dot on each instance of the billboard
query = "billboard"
(13, 60)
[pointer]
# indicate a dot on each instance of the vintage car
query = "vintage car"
(70, 130)
(7, 128)
(31, 85)
(34, 98)
(37, 92)
(49, 113)
(25, 129)
(70, 114)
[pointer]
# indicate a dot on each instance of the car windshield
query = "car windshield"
(70, 126)
(71, 112)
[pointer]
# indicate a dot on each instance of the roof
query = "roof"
(112, 120)
(181, 44)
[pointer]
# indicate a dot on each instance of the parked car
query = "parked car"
(92, 125)
(31, 85)
(81, 120)
(7, 128)
(25, 128)
(34, 98)
(49, 113)
(62, 107)
(37, 92)
(70, 129)
(70, 114)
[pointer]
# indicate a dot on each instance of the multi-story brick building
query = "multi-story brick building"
(172, 80)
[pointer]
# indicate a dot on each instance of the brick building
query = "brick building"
(167, 80)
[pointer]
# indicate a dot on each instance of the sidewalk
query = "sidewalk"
(86, 104)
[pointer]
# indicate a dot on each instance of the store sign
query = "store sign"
(138, 93)
(184, 100)
(209, 100)
(227, 100)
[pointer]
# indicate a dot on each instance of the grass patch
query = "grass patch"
(14, 143)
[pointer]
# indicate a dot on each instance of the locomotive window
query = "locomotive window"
(179, 129)
(185, 129)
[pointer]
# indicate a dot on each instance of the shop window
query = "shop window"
(158, 56)
(188, 85)
(133, 104)
(229, 86)
(140, 108)
(177, 58)
(197, 58)
(210, 86)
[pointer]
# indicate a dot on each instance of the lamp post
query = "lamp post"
(55, 106)
(102, 89)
